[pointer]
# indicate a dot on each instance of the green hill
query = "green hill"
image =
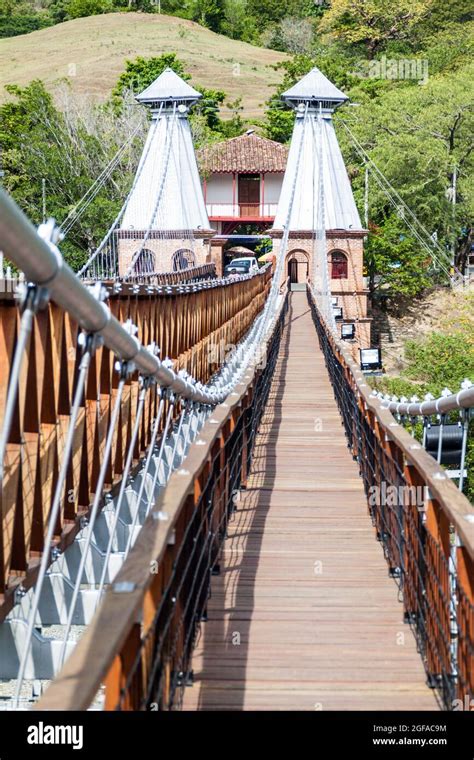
(90, 53)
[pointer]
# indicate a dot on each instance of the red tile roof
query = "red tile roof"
(248, 153)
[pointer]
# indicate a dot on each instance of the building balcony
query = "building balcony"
(248, 212)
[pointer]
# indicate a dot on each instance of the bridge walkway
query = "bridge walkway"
(303, 615)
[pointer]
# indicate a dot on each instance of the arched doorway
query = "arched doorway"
(297, 267)
(293, 269)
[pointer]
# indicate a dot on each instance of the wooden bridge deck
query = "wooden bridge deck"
(303, 615)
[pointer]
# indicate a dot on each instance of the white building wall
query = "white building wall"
(219, 194)
(273, 183)
(219, 188)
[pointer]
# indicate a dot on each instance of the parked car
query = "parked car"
(244, 265)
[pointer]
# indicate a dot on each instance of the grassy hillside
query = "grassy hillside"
(90, 53)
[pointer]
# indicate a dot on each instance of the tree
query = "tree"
(373, 23)
(235, 14)
(208, 106)
(291, 34)
(418, 136)
(449, 48)
(21, 18)
(57, 9)
(80, 8)
(272, 11)
(394, 261)
(69, 148)
(209, 13)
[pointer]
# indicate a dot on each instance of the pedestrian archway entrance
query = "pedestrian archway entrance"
(298, 268)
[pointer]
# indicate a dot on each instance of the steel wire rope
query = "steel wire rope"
(93, 512)
(54, 511)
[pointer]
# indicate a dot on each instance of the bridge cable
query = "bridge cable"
(157, 465)
(95, 508)
(398, 203)
(89, 347)
(123, 486)
(80, 207)
(92, 263)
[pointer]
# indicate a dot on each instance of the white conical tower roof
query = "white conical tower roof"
(167, 194)
(314, 87)
(314, 142)
(168, 87)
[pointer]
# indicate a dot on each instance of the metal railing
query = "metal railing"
(441, 424)
(165, 582)
(425, 525)
(88, 400)
(187, 276)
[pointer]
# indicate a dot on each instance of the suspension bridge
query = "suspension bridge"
(204, 505)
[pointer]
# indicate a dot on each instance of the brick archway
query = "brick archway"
(297, 265)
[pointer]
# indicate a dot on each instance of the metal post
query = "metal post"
(465, 433)
(366, 198)
(440, 440)
(35, 298)
(43, 192)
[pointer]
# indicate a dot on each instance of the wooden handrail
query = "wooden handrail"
(108, 634)
(185, 326)
(453, 503)
(428, 540)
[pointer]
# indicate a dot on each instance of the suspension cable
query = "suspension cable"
(123, 485)
(78, 210)
(94, 510)
(89, 347)
(442, 259)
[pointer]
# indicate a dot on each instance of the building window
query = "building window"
(338, 265)
(183, 259)
(145, 262)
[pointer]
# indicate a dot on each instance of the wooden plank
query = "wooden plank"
(304, 615)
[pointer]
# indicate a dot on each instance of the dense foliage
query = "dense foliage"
(68, 148)
(439, 360)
